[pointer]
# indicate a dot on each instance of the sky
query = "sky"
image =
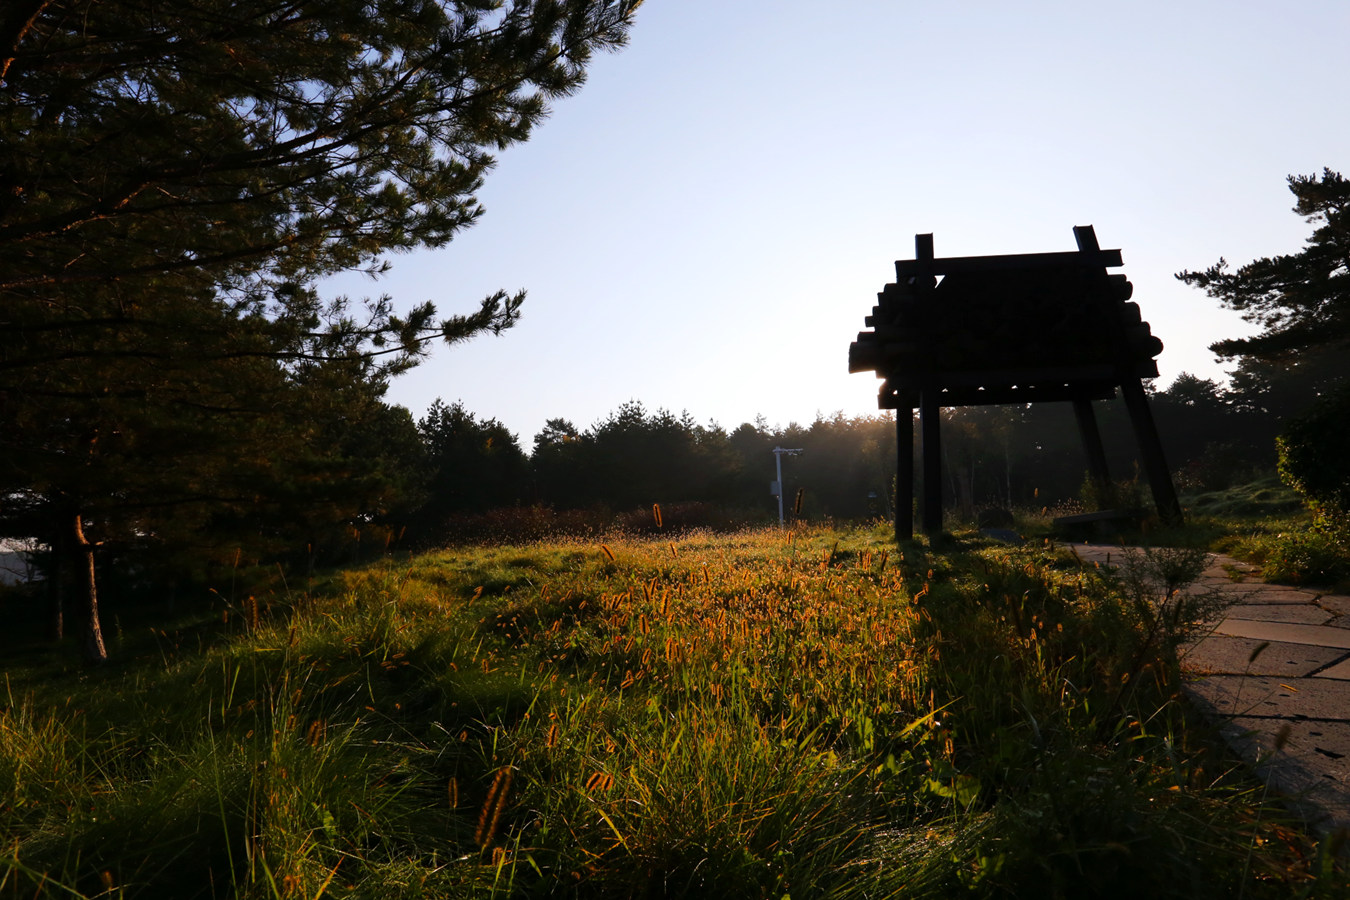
(704, 225)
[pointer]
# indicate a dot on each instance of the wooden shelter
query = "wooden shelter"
(1030, 328)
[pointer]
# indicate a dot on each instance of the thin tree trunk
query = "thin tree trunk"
(83, 552)
(964, 480)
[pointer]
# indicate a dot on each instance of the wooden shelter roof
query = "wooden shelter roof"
(1005, 329)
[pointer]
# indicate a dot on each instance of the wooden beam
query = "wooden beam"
(953, 265)
(1030, 377)
(930, 420)
(1086, 238)
(1049, 393)
(1151, 452)
(1025, 377)
(923, 253)
(1092, 441)
(995, 396)
(904, 474)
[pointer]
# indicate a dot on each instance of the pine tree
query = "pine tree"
(1301, 300)
(174, 178)
(248, 140)
(473, 466)
(1296, 367)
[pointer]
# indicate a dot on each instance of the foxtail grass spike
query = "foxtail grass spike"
(491, 814)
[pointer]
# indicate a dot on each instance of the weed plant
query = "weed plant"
(800, 713)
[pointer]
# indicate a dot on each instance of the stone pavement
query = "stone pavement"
(1274, 673)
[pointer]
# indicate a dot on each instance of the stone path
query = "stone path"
(1274, 672)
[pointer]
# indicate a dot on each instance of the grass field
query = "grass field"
(803, 713)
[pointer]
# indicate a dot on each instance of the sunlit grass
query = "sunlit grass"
(768, 713)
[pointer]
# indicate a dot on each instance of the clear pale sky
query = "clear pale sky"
(705, 225)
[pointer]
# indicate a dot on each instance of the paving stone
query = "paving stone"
(1327, 744)
(1308, 762)
(1259, 593)
(1295, 613)
(1236, 569)
(1222, 655)
(1294, 694)
(1336, 603)
(1286, 633)
(1266, 695)
(1340, 671)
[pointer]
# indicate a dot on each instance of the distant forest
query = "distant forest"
(997, 456)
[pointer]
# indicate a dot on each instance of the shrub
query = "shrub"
(1112, 495)
(1318, 555)
(1219, 467)
(1313, 458)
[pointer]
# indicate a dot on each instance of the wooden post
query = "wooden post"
(931, 444)
(1151, 451)
(930, 418)
(923, 251)
(904, 472)
(1092, 441)
(1086, 238)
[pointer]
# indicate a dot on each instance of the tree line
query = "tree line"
(1007, 457)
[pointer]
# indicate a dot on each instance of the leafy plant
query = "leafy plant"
(1317, 555)
(1313, 458)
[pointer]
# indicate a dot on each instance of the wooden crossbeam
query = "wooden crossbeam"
(997, 396)
(953, 265)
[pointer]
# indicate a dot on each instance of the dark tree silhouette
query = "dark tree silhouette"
(174, 177)
(473, 465)
(1296, 367)
(1301, 301)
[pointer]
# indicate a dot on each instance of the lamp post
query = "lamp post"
(776, 488)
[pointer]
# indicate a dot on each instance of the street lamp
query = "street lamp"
(776, 488)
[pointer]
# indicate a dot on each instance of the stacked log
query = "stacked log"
(1068, 316)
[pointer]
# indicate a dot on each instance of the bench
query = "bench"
(1103, 523)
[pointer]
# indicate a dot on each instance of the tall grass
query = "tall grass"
(771, 713)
